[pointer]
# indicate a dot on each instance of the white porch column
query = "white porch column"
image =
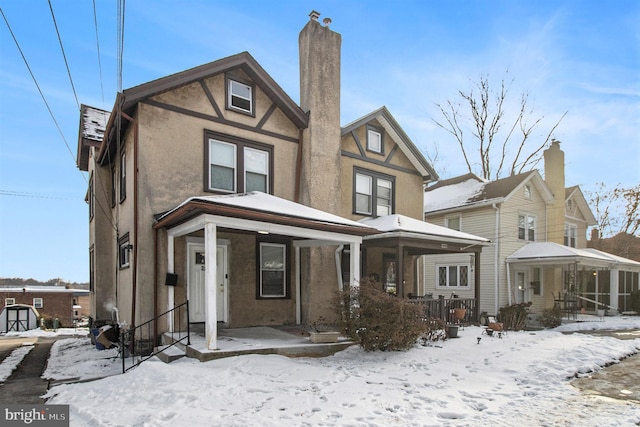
(298, 287)
(614, 280)
(170, 269)
(210, 285)
(354, 265)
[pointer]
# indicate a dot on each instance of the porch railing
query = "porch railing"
(141, 343)
(445, 308)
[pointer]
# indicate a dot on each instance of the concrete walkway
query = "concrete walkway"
(25, 385)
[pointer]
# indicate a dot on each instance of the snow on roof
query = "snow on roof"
(454, 195)
(401, 223)
(548, 250)
(259, 201)
(94, 123)
(59, 289)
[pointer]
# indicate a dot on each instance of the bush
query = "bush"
(514, 317)
(378, 321)
(551, 317)
(435, 331)
(46, 322)
(634, 300)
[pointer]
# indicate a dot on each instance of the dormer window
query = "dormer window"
(374, 140)
(240, 96)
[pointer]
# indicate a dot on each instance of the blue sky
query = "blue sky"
(577, 56)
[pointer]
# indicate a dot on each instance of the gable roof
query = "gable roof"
(93, 122)
(402, 140)
(467, 191)
(575, 193)
(129, 98)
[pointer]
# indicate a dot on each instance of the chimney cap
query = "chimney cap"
(326, 21)
(314, 15)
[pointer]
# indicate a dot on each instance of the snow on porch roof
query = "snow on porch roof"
(403, 224)
(257, 202)
(554, 253)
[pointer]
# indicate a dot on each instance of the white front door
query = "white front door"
(196, 285)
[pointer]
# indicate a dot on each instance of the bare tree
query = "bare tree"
(617, 210)
(484, 112)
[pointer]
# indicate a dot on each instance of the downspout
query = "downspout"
(496, 269)
(155, 282)
(134, 267)
(296, 196)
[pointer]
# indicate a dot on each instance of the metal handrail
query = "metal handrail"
(137, 348)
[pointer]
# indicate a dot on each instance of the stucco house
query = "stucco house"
(538, 253)
(213, 186)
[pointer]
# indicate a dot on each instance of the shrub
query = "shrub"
(514, 317)
(46, 322)
(435, 331)
(634, 300)
(551, 317)
(376, 320)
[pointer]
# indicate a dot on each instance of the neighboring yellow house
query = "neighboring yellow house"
(538, 230)
(213, 186)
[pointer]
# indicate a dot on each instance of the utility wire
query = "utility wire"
(95, 23)
(38, 86)
(35, 195)
(55, 24)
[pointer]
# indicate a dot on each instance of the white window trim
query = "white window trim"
(373, 192)
(458, 217)
(124, 248)
(284, 270)
(35, 303)
(232, 94)
(527, 217)
(570, 227)
(370, 147)
(9, 301)
(457, 265)
(527, 191)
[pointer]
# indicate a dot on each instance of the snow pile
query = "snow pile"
(520, 379)
(11, 362)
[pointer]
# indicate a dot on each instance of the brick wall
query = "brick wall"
(54, 304)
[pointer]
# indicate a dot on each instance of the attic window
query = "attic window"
(374, 140)
(527, 192)
(240, 96)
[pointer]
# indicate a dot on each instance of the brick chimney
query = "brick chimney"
(320, 96)
(554, 177)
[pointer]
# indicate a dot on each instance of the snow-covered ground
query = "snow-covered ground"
(522, 379)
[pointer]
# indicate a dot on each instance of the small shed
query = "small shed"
(18, 318)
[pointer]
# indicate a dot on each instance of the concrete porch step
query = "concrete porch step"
(169, 354)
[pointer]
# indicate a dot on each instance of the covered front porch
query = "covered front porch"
(573, 279)
(248, 223)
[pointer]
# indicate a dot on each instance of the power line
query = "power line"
(95, 23)
(33, 195)
(38, 86)
(55, 24)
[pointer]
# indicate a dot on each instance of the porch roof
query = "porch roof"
(549, 253)
(264, 208)
(399, 227)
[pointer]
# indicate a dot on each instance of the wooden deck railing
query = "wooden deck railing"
(445, 308)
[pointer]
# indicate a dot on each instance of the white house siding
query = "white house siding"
(482, 222)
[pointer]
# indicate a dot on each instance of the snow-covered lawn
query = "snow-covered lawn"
(522, 379)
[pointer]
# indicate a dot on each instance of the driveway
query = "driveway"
(25, 386)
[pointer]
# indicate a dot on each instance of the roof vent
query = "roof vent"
(314, 15)
(326, 22)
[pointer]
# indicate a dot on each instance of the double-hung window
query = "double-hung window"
(453, 223)
(373, 193)
(570, 235)
(123, 176)
(272, 271)
(374, 140)
(239, 96)
(236, 165)
(9, 301)
(526, 227)
(453, 276)
(124, 251)
(38, 303)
